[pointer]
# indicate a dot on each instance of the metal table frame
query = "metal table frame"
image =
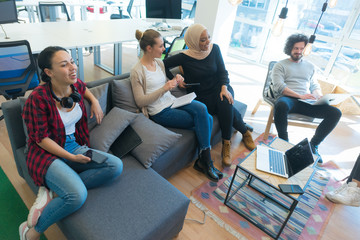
(249, 181)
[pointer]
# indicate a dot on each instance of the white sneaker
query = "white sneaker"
(23, 229)
(349, 196)
(330, 195)
(43, 198)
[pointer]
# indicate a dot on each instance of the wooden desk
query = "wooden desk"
(76, 35)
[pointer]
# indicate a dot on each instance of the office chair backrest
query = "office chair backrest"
(182, 34)
(129, 7)
(193, 10)
(18, 71)
(53, 12)
(177, 44)
(121, 15)
(267, 93)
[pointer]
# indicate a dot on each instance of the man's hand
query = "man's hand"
(307, 96)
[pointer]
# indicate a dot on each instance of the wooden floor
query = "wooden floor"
(341, 146)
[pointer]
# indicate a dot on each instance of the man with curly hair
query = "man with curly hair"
(293, 79)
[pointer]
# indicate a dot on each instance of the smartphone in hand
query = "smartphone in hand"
(95, 156)
(291, 188)
(192, 84)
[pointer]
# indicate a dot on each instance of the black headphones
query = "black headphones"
(67, 102)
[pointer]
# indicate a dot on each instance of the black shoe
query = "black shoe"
(210, 172)
(219, 173)
(204, 164)
(314, 149)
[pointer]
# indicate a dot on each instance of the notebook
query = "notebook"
(330, 99)
(183, 100)
(284, 164)
(127, 141)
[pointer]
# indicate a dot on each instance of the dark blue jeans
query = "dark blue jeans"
(226, 113)
(355, 173)
(193, 116)
(285, 105)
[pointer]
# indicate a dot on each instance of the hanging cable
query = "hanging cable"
(308, 47)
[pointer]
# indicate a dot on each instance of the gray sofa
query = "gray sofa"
(141, 203)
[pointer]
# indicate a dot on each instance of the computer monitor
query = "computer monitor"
(8, 12)
(157, 10)
(163, 9)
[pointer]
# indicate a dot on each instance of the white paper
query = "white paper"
(183, 100)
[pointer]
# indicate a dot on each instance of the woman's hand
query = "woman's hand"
(97, 111)
(180, 81)
(170, 84)
(95, 106)
(80, 158)
(225, 93)
(52, 147)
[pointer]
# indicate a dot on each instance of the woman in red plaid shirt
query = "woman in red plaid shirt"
(56, 121)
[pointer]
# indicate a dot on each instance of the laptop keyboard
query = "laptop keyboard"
(276, 162)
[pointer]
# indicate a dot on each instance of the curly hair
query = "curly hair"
(294, 38)
(45, 60)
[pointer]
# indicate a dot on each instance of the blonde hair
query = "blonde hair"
(147, 38)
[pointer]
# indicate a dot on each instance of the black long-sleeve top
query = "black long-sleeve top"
(210, 72)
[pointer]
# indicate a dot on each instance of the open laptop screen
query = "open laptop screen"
(299, 157)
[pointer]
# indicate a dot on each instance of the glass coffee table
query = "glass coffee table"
(255, 194)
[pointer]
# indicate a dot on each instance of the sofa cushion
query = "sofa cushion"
(156, 140)
(113, 124)
(100, 92)
(122, 95)
(139, 204)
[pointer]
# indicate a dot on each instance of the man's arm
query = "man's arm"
(290, 93)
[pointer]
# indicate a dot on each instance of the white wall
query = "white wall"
(218, 16)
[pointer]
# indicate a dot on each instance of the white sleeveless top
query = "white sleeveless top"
(70, 118)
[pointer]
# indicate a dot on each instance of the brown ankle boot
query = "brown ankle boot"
(225, 152)
(248, 140)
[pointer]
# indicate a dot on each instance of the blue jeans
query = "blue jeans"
(70, 181)
(285, 105)
(193, 116)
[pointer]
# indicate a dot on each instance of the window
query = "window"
(336, 49)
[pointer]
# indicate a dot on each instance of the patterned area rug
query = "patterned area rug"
(307, 222)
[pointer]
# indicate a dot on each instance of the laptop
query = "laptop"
(284, 164)
(330, 99)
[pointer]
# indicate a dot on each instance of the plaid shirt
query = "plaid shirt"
(43, 120)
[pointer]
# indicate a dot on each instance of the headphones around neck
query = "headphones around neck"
(67, 102)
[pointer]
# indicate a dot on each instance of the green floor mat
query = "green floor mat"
(13, 211)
